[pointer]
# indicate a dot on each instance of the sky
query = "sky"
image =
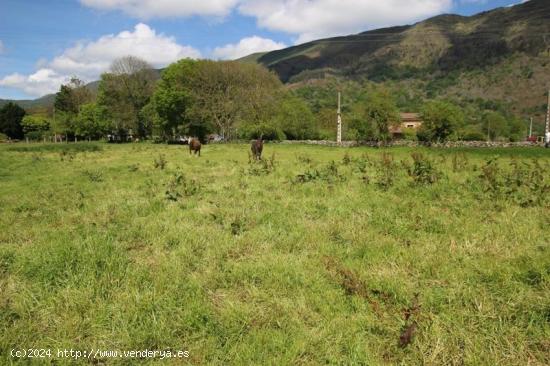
(45, 42)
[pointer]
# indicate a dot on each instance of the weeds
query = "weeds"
(160, 162)
(261, 167)
(522, 182)
(179, 186)
(422, 171)
(67, 155)
(459, 162)
(386, 171)
(328, 173)
(93, 175)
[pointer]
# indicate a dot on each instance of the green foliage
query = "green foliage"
(35, 123)
(373, 115)
(386, 171)
(172, 98)
(495, 123)
(124, 91)
(328, 173)
(262, 166)
(295, 119)
(423, 171)
(11, 117)
(160, 162)
(179, 186)
(268, 131)
(92, 121)
(440, 120)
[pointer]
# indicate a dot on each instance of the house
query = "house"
(408, 121)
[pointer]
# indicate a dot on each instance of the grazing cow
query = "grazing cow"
(257, 147)
(195, 146)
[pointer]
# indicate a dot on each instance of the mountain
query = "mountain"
(446, 42)
(45, 101)
(502, 54)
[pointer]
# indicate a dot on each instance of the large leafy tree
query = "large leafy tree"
(172, 98)
(228, 93)
(124, 91)
(198, 96)
(11, 117)
(35, 125)
(494, 125)
(68, 102)
(72, 96)
(373, 115)
(295, 119)
(92, 121)
(440, 121)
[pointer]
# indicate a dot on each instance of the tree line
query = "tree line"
(241, 101)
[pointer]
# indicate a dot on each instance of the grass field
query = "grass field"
(316, 256)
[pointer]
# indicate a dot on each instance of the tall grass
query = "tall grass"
(317, 256)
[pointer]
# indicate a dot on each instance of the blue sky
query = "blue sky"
(42, 43)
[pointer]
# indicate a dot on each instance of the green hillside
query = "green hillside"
(501, 55)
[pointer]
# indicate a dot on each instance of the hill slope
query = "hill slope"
(503, 54)
(445, 42)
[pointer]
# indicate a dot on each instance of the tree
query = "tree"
(172, 99)
(92, 121)
(295, 119)
(373, 116)
(440, 120)
(11, 116)
(124, 91)
(494, 125)
(228, 93)
(71, 96)
(68, 101)
(517, 129)
(196, 97)
(34, 126)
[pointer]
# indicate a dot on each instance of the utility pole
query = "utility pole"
(531, 128)
(339, 133)
(547, 115)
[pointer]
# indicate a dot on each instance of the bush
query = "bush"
(179, 186)
(267, 131)
(440, 121)
(422, 171)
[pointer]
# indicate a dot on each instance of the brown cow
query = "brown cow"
(195, 146)
(257, 147)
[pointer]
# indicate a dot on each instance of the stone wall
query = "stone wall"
(405, 143)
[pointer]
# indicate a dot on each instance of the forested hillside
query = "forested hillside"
(502, 56)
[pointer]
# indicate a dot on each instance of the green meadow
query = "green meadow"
(315, 255)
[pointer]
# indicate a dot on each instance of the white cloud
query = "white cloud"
(87, 60)
(146, 9)
(305, 19)
(313, 19)
(245, 47)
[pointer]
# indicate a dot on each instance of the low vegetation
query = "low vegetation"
(314, 255)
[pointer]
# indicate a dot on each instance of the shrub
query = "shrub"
(160, 163)
(422, 171)
(261, 167)
(179, 186)
(386, 170)
(328, 173)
